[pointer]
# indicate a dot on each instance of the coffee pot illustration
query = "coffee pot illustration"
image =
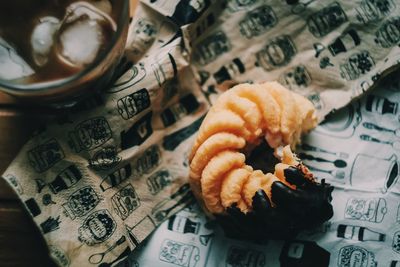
(372, 172)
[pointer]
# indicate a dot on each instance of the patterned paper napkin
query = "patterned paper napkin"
(100, 179)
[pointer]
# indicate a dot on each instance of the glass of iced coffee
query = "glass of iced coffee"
(56, 51)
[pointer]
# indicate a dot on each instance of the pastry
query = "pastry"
(242, 118)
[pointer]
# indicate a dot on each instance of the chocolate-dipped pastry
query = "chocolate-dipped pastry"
(278, 202)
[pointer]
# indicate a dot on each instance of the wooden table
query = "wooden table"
(21, 243)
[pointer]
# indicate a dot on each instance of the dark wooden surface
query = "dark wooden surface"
(20, 241)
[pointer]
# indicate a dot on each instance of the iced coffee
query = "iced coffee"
(47, 40)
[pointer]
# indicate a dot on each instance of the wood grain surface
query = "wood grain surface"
(21, 243)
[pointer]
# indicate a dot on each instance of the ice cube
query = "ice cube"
(42, 39)
(83, 32)
(12, 66)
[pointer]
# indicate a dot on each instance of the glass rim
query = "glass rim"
(7, 86)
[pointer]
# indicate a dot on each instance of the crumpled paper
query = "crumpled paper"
(363, 165)
(111, 170)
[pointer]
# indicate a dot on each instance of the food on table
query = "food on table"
(222, 176)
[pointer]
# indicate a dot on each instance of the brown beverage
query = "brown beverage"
(45, 40)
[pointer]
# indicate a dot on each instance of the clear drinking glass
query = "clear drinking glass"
(94, 74)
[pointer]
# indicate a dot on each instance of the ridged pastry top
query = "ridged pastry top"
(238, 121)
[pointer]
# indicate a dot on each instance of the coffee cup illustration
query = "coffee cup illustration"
(371, 172)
